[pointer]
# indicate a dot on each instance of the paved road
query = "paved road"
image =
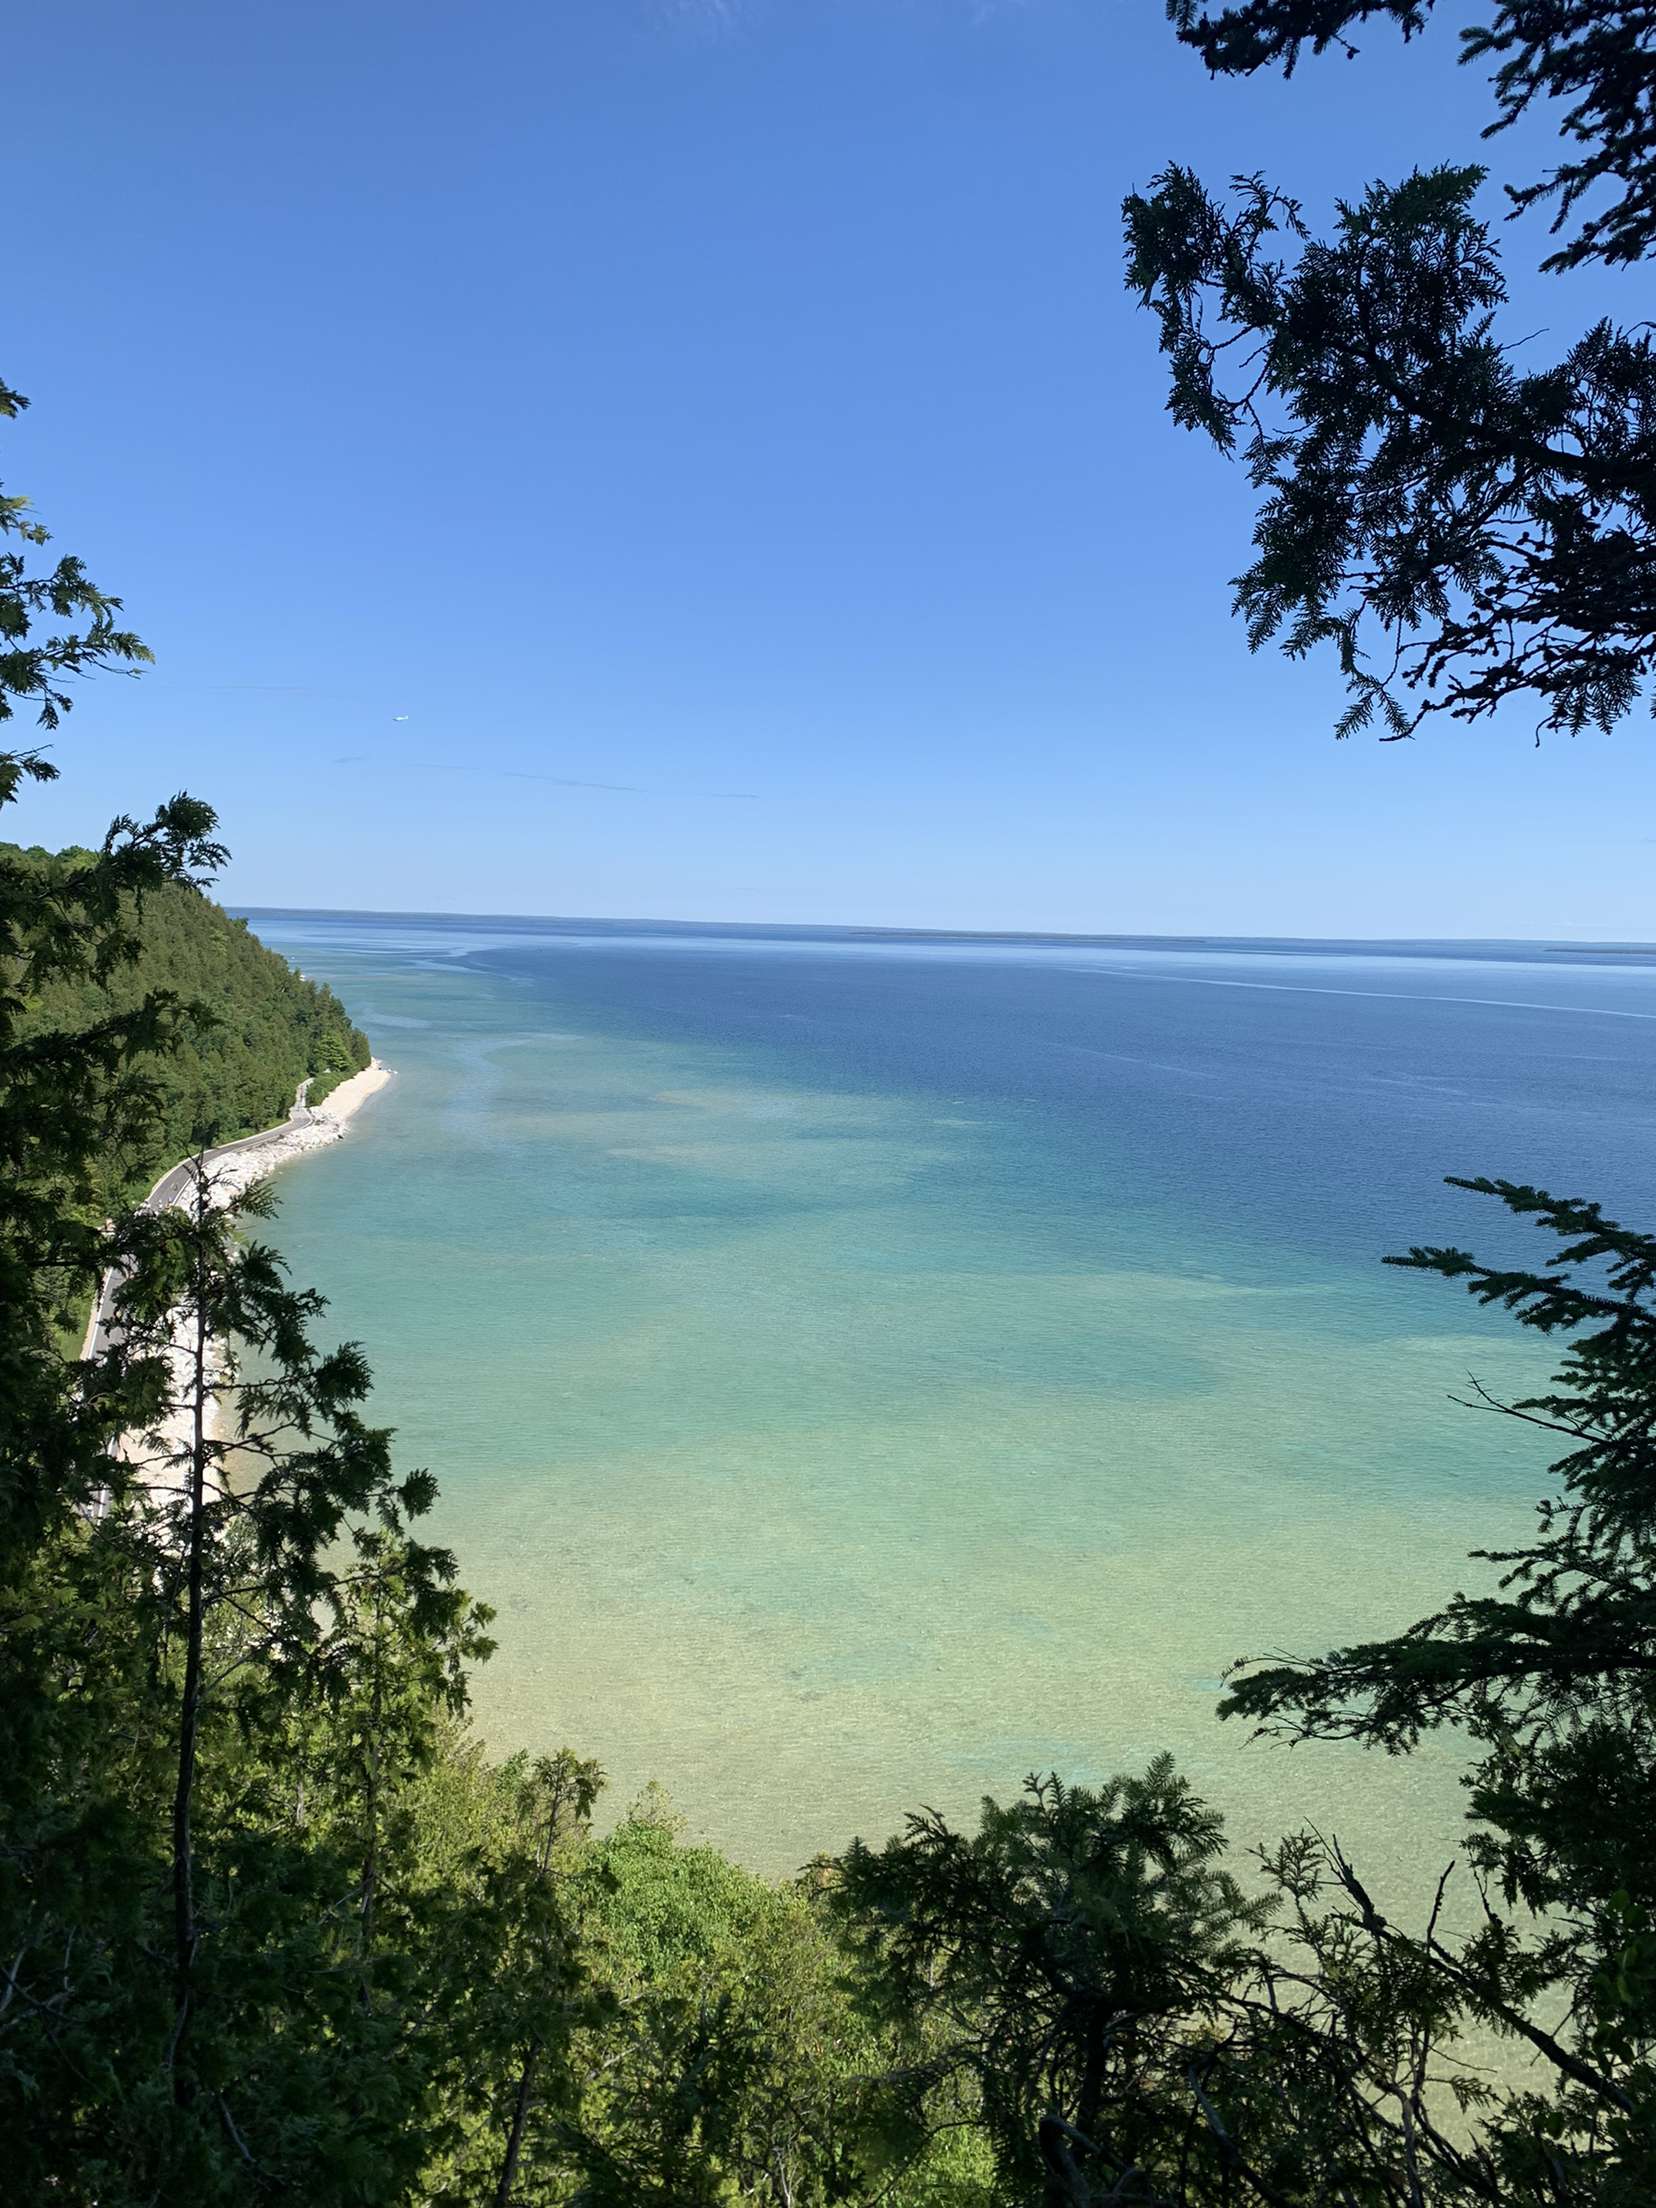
(168, 1190)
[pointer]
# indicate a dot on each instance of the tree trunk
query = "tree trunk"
(520, 2117)
(183, 1847)
(370, 1863)
(532, 2054)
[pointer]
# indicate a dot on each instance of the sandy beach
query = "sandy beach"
(326, 1122)
(351, 1095)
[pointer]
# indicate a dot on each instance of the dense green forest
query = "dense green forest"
(257, 1028)
(275, 1927)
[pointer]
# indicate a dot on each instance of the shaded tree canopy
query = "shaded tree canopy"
(33, 667)
(1598, 55)
(1464, 530)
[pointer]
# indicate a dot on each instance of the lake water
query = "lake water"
(863, 1370)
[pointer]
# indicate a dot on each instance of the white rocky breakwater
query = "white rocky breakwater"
(325, 1123)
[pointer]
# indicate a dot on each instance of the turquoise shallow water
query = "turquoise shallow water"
(862, 1372)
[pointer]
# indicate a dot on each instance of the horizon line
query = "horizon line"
(891, 932)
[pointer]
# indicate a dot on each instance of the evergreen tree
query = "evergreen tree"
(280, 1579)
(1463, 532)
(1553, 1679)
(1077, 1953)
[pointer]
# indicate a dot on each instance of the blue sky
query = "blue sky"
(732, 403)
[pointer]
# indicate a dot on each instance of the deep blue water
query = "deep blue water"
(863, 1368)
(1313, 1097)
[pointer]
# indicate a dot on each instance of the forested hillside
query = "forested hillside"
(257, 1029)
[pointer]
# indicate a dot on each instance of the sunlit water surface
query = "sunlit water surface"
(863, 1371)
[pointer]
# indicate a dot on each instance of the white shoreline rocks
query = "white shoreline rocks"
(155, 1451)
(327, 1122)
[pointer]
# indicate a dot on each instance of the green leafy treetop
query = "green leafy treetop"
(1464, 531)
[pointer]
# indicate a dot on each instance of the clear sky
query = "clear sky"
(697, 460)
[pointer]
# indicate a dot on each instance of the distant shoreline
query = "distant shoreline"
(1423, 947)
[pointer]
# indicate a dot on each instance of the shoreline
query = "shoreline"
(355, 1090)
(261, 1155)
(255, 1158)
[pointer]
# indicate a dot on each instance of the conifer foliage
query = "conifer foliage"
(1552, 1678)
(1464, 525)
